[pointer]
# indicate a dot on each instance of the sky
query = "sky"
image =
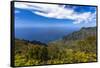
(41, 15)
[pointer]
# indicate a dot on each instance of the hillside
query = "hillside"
(81, 34)
(79, 46)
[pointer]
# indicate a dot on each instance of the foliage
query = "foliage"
(57, 52)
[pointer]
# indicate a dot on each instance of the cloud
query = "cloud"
(85, 17)
(58, 12)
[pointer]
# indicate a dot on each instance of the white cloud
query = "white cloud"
(57, 11)
(84, 17)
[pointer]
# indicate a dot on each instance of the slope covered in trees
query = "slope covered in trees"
(58, 52)
(81, 34)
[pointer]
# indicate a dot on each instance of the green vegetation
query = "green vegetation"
(58, 52)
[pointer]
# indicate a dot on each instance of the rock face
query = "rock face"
(81, 34)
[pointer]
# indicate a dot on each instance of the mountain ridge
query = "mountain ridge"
(81, 34)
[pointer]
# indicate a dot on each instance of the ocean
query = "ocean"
(44, 35)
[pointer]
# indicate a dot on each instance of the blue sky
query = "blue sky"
(53, 15)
